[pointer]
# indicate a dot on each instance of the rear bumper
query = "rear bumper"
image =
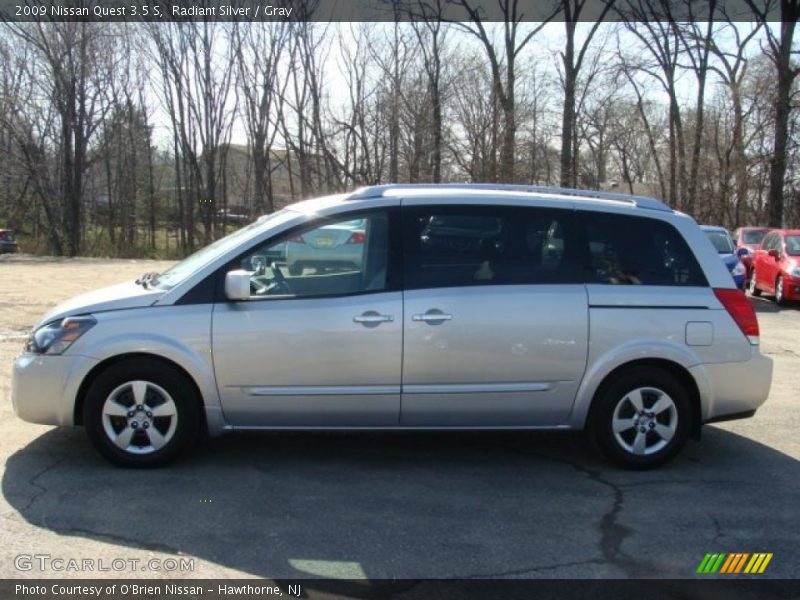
(733, 390)
(8, 247)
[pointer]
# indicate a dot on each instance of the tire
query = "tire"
(295, 269)
(780, 296)
(754, 291)
(165, 424)
(665, 430)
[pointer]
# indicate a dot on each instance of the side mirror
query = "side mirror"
(742, 252)
(774, 254)
(237, 285)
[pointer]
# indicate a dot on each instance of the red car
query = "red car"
(776, 266)
(747, 240)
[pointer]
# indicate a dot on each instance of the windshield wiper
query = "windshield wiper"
(148, 279)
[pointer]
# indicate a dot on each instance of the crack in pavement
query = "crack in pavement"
(41, 489)
(612, 533)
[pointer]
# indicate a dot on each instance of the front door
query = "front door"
(319, 341)
(496, 321)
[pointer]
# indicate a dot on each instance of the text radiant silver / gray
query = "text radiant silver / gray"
(458, 307)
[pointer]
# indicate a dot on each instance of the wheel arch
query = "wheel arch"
(678, 371)
(103, 365)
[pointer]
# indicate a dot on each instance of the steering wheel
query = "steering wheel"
(280, 280)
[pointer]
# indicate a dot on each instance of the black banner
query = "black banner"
(734, 588)
(372, 10)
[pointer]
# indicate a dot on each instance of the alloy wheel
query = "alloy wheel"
(139, 417)
(644, 421)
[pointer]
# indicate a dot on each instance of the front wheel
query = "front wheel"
(641, 420)
(754, 291)
(780, 296)
(141, 413)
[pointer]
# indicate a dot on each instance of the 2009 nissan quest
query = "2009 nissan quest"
(414, 307)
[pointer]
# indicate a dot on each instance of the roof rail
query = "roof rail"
(377, 191)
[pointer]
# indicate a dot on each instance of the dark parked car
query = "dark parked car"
(7, 243)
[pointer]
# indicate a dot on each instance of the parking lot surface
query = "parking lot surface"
(390, 505)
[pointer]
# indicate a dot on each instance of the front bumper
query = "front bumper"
(791, 288)
(44, 388)
(733, 388)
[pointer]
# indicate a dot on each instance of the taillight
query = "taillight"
(741, 311)
(357, 238)
(2, 235)
(298, 239)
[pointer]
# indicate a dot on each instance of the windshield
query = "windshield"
(193, 263)
(721, 240)
(753, 236)
(792, 245)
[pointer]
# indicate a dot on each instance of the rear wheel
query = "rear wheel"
(641, 419)
(141, 413)
(754, 291)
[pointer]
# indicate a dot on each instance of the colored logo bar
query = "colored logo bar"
(734, 562)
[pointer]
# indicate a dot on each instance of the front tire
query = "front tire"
(780, 296)
(754, 291)
(641, 419)
(141, 413)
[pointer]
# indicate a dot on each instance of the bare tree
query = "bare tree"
(258, 48)
(780, 52)
(572, 65)
(503, 68)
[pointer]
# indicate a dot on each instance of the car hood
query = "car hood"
(116, 297)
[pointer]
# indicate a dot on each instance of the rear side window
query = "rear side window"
(453, 246)
(627, 250)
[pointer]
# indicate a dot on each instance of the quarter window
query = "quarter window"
(450, 246)
(336, 257)
(626, 250)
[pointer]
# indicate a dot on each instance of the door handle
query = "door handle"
(372, 317)
(432, 316)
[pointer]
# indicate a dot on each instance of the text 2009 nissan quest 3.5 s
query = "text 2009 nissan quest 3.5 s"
(413, 307)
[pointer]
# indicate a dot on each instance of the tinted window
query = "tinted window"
(328, 258)
(626, 250)
(449, 246)
(792, 244)
(753, 236)
(721, 241)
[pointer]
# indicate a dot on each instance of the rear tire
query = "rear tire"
(754, 291)
(642, 418)
(141, 413)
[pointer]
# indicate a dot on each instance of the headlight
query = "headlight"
(56, 337)
(795, 272)
(738, 269)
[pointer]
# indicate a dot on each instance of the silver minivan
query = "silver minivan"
(467, 307)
